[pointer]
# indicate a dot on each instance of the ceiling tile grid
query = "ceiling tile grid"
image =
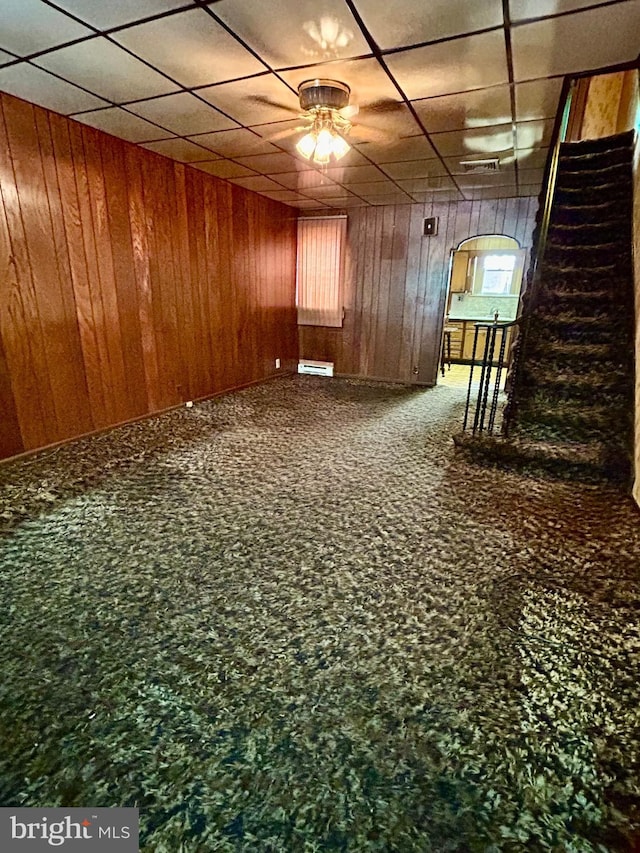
(213, 83)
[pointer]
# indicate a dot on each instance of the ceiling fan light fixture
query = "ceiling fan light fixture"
(331, 94)
(322, 101)
(306, 146)
(340, 147)
(324, 146)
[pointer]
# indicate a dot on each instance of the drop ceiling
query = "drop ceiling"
(212, 83)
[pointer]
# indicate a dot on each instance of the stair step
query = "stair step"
(581, 321)
(563, 351)
(571, 409)
(561, 301)
(614, 252)
(589, 233)
(540, 408)
(573, 164)
(589, 147)
(563, 421)
(568, 327)
(577, 383)
(586, 214)
(593, 175)
(565, 432)
(590, 462)
(612, 191)
(562, 276)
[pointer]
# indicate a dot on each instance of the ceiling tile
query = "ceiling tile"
(389, 199)
(119, 122)
(354, 174)
(107, 70)
(346, 201)
(531, 158)
(30, 25)
(224, 169)
(180, 149)
(520, 9)
(414, 169)
(6, 57)
(533, 134)
(182, 114)
(375, 188)
(308, 204)
(538, 99)
(408, 148)
(255, 100)
(31, 83)
(530, 176)
(446, 195)
(480, 193)
(286, 196)
(257, 183)
(235, 143)
(453, 66)
(474, 141)
(467, 109)
(369, 83)
(383, 122)
(412, 23)
(583, 41)
(332, 192)
(529, 190)
(301, 32)
(271, 163)
(422, 185)
(500, 179)
(190, 47)
(104, 14)
(305, 180)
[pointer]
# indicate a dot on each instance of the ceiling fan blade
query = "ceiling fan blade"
(365, 133)
(281, 134)
(384, 105)
(264, 101)
(349, 111)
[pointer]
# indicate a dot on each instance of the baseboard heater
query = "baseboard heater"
(318, 368)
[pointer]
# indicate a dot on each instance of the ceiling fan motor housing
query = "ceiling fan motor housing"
(323, 93)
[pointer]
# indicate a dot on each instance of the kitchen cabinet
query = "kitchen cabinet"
(462, 334)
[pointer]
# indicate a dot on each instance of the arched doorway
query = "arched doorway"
(485, 279)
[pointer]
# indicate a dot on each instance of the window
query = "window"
(497, 274)
(319, 270)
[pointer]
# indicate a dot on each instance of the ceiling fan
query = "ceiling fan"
(325, 116)
(326, 119)
(327, 113)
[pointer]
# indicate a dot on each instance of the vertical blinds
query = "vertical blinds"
(319, 270)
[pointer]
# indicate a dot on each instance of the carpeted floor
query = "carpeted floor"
(292, 619)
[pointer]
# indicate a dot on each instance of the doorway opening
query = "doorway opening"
(485, 279)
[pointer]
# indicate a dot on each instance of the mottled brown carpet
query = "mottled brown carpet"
(292, 619)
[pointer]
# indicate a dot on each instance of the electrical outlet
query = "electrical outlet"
(277, 363)
(189, 404)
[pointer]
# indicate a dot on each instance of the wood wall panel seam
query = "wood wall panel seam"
(22, 333)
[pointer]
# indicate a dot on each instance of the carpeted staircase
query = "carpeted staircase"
(571, 405)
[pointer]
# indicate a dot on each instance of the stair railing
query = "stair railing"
(491, 359)
(543, 218)
(481, 414)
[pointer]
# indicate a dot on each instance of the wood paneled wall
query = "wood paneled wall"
(396, 285)
(128, 283)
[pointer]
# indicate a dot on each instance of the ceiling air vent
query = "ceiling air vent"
(481, 167)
